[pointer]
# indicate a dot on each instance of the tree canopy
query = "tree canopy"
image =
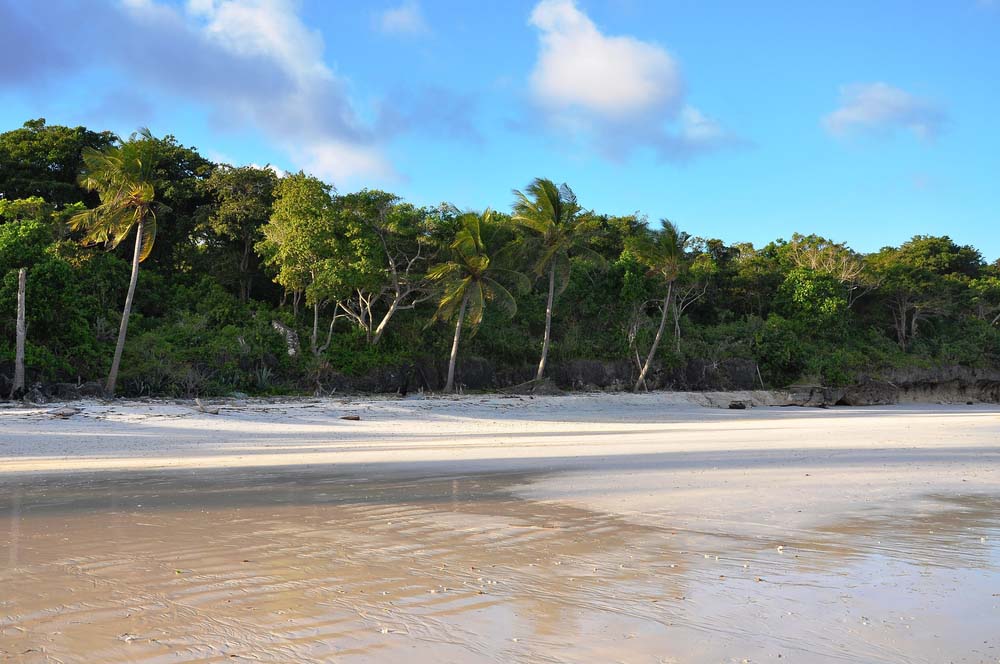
(238, 262)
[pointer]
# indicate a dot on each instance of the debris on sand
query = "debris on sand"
(208, 410)
(352, 418)
(64, 412)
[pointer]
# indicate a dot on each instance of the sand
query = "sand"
(583, 528)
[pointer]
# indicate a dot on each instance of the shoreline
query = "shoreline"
(471, 431)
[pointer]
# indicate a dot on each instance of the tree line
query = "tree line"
(169, 274)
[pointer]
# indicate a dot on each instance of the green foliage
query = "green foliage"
(231, 240)
(43, 161)
(300, 235)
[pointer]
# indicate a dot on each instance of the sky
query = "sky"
(865, 122)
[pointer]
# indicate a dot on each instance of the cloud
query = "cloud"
(406, 19)
(250, 63)
(618, 92)
(879, 108)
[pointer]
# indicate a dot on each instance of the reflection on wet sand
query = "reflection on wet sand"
(315, 567)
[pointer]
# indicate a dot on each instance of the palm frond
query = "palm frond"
(500, 297)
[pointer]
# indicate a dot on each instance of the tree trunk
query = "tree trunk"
(548, 322)
(123, 329)
(18, 387)
(385, 320)
(314, 339)
(449, 386)
(656, 340)
(245, 277)
(677, 328)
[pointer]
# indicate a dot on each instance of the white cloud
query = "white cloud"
(579, 67)
(618, 92)
(867, 108)
(406, 19)
(250, 64)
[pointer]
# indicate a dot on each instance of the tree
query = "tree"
(44, 160)
(122, 175)
(469, 280)
(823, 256)
(985, 292)
(560, 229)
(923, 279)
(243, 198)
(384, 248)
(299, 241)
(662, 252)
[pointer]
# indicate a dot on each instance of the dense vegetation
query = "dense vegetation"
(235, 265)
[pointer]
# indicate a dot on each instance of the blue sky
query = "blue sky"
(866, 122)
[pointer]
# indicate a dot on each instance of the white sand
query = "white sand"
(630, 454)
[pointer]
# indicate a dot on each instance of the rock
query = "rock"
(739, 405)
(91, 388)
(65, 391)
(815, 396)
(36, 394)
(870, 392)
(546, 386)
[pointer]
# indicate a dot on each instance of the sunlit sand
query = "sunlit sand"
(584, 528)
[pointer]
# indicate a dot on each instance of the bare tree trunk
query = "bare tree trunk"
(996, 319)
(123, 329)
(313, 340)
(18, 387)
(449, 386)
(385, 320)
(656, 340)
(548, 322)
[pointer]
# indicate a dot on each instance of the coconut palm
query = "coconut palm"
(560, 229)
(122, 175)
(469, 281)
(663, 253)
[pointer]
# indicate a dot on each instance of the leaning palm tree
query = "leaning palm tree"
(469, 280)
(663, 253)
(560, 229)
(122, 175)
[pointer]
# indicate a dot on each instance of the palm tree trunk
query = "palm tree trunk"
(18, 386)
(656, 340)
(449, 386)
(123, 328)
(548, 322)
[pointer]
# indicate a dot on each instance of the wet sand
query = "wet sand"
(579, 529)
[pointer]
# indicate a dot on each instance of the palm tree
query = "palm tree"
(663, 253)
(469, 280)
(122, 175)
(560, 229)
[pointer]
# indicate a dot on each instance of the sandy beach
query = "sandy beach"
(583, 528)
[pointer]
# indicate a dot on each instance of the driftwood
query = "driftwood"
(352, 418)
(64, 412)
(209, 410)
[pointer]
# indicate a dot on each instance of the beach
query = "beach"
(577, 528)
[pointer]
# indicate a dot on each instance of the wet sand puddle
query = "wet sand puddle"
(307, 567)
